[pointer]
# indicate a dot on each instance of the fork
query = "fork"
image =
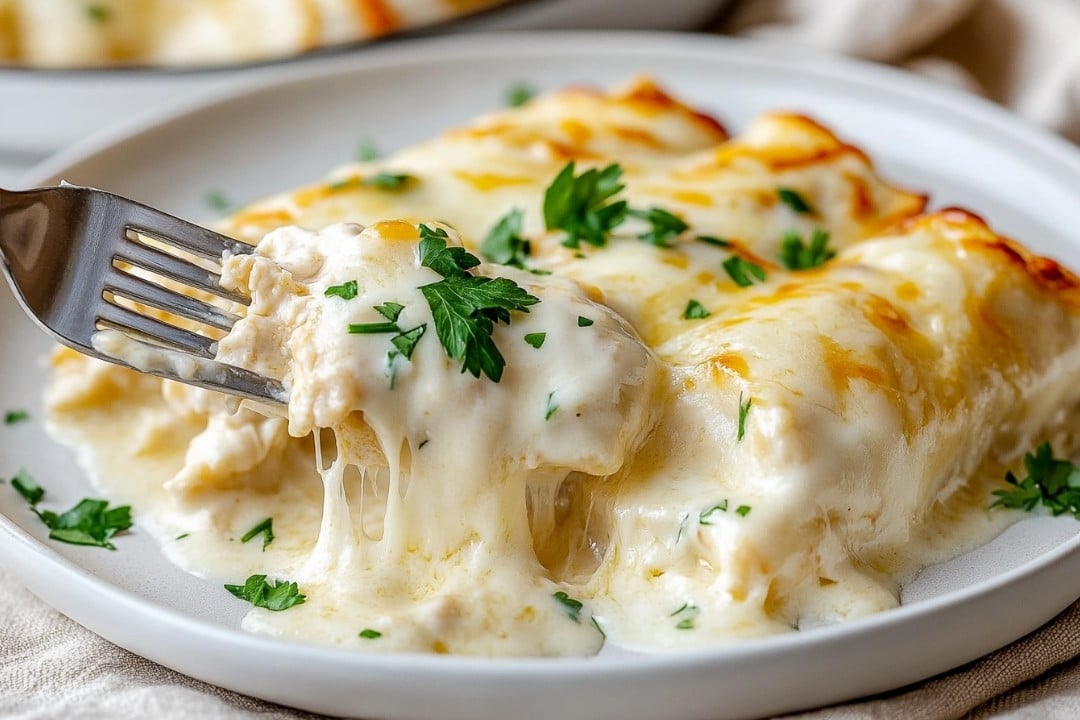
(68, 253)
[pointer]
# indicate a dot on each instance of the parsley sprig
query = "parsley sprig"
(264, 528)
(466, 307)
(91, 522)
(743, 272)
(504, 244)
(664, 226)
(795, 254)
(583, 207)
(276, 595)
(1053, 482)
(794, 200)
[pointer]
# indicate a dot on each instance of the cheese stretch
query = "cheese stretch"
(785, 456)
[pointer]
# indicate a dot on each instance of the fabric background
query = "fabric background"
(1022, 53)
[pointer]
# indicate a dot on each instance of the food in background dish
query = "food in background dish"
(712, 388)
(89, 33)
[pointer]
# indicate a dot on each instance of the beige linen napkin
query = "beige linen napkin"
(1024, 53)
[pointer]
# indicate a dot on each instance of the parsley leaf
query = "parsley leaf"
(264, 528)
(98, 13)
(391, 182)
(665, 226)
(581, 206)
(695, 311)
(25, 485)
(797, 255)
(369, 634)
(504, 244)
(743, 271)
(715, 241)
(686, 613)
(276, 595)
(346, 291)
(90, 522)
(552, 407)
(12, 417)
(390, 310)
(583, 321)
(1054, 482)
(536, 339)
(217, 201)
(794, 200)
(744, 410)
(572, 606)
(706, 517)
(742, 510)
(518, 94)
(405, 343)
(465, 307)
(367, 151)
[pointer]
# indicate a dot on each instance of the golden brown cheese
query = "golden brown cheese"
(80, 33)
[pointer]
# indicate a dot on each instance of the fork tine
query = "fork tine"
(130, 286)
(196, 239)
(129, 321)
(175, 268)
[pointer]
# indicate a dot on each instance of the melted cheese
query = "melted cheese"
(884, 394)
(76, 33)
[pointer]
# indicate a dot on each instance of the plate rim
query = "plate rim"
(1054, 152)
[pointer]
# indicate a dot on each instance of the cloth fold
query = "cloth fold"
(1022, 53)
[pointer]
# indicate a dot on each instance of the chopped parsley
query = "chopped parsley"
(744, 410)
(391, 182)
(369, 634)
(742, 510)
(794, 200)
(686, 614)
(552, 407)
(795, 254)
(98, 13)
(373, 328)
(366, 151)
(1053, 482)
(276, 595)
(13, 417)
(217, 201)
(684, 520)
(572, 606)
(405, 342)
(25, 485)
(695, 311)
(390, 310)
(466, 307)
(264, 528)
(518, 94)
(714, 241)
(583, 206)
(665, 226)
(346, 291)
(504, 244)
(707, 517)
(743, 271)
(181, 536)
(583, 321)
(536, 339)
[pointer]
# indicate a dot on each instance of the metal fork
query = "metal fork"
(60, 248)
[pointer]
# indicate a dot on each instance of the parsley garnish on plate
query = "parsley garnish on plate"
(1053, 482)
(794, 200)
(466, 307)
(518, 94)
(536, 339)
(583, 206)
(91, 522)
(744, 411)
(686, 614)
(742, 510)
(264, 528)
(504, 244)
(346, 291)
(404, 341)
(369, 634)
(795, 254)
(695, 311)
(743, 271)
(572, 606)
(666, 226)
(583, 321)
(276, 595)
(13, 417)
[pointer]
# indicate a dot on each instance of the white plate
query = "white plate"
(289, 132)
